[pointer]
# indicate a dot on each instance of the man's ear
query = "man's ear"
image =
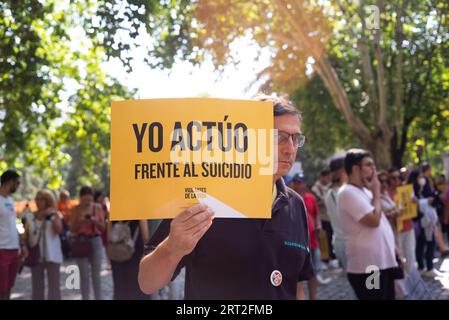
(355, 169)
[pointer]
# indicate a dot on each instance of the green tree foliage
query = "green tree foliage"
(386, 74)
(54, 96)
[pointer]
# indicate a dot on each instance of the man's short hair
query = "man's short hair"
(64, 194)
(337, 164)
(324, 172)
(9, 175)
(354, 157)
(282, 105)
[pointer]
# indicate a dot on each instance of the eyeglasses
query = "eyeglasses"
(298, 139)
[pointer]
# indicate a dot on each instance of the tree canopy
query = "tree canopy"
(383, 64)
(54, 96)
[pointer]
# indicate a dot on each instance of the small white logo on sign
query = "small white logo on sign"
(276, 278)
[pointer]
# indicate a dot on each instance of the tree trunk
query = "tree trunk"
(397, 150)
(381, 152)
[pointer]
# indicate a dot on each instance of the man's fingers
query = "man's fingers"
(193, 231)
(197, 219)
(189, 212)
(194, 227)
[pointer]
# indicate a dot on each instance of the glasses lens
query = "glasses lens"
(300, 140)
(282, 137)
(297, 138)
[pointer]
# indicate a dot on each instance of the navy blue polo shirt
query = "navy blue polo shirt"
(249, 258)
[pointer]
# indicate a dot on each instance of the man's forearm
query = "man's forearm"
(377, 205)
(157, 268)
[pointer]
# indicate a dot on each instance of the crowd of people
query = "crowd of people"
(61, 230)
(362, 220)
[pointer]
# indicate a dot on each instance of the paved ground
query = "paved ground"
(338, 289)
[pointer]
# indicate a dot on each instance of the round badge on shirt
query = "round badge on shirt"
(276, 278)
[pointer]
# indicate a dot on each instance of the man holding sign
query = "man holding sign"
(232, 258)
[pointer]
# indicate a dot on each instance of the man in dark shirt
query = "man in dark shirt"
(238, 258)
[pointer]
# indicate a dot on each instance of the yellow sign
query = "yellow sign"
(169, 154)
(404, 201)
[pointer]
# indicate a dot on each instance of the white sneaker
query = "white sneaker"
(431, 273)
(334, 264)
(322, 280)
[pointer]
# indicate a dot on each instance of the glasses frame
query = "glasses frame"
(299, 143)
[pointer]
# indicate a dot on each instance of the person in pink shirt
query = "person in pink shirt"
(88, 223)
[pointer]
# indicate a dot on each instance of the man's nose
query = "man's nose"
(290, 144)
(287, 149)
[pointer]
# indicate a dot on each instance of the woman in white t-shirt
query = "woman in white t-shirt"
(43, 228)
(369, 239)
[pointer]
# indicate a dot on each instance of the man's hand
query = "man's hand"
(374, 184)
(187, 228)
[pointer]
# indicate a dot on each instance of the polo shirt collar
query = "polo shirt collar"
(282, 195)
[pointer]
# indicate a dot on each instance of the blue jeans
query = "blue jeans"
(316, 259)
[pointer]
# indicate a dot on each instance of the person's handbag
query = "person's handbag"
(33, 257)
(397, 272)
(80, 247)
(34, 252)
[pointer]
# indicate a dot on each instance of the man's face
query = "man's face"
(300, 187)
(63, 197)
(287, 151)
(325, 180)
(366, 169)
(14, 185)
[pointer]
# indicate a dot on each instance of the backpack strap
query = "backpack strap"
(136, 233)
